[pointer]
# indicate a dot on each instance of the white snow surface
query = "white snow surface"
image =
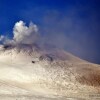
(28, 72)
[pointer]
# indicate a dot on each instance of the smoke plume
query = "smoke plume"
(2, 38)
(25, 34)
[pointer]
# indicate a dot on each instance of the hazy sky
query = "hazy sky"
(70, 24)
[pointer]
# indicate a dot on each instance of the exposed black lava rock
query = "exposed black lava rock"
(8, 46)
(33, 61)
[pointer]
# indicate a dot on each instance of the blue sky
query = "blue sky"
(71, 24)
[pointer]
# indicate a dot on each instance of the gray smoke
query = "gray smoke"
(2, 38)
(25, 34)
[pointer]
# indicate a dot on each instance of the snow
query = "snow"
(20, 79)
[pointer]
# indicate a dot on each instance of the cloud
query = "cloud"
(6, 40)
(2, 38)
(25, 34)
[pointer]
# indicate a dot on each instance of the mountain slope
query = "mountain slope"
(29, 69)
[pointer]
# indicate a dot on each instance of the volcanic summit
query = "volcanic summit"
(31, 70)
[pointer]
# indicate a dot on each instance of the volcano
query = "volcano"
(29, 72)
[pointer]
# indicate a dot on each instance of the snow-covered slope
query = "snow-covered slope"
(31, 70)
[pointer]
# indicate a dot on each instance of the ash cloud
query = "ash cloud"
(65, 33)
(73, 33)
(22, 34)
(2, 38)
(5, 40)
(25, 34)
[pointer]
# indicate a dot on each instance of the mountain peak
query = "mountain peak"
(23, 51)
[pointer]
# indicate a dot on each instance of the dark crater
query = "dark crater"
(47, 57)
